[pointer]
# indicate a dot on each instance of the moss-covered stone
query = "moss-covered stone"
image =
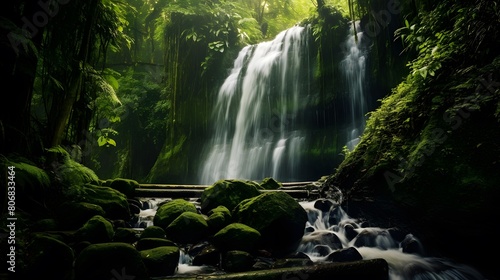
(96, 230)
(49, 258)
(125, 235)
(161, 261)
(168, 212)
(188, 228)
(218, 218)
(278, 217)
(227, 193)
(237, 236)
(108, 260)
(153, 232)
(237, 261)
(113, 202)
(74, 214)
(152, 242)
(125, 186)
(68, 172)
(270, 184)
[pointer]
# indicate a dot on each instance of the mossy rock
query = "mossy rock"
(113, 202)
(218, 218)
(30, 180)
(168, 212)
(270, 184)
(153, 232)
(237, 261)
(108, 261)
(125, 186)
(278, 217)
(49, 258)
(237, 236)
(74, 214)
(227, 193)
(188, 228)
(161, 261)
(152, 242)
(96, 230)
(68, 172)
(125, 235)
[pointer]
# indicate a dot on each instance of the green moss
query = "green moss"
(96, 230)
(161, 261)
(237, 236)
(168, 212)
(227, 193)
(187, 228)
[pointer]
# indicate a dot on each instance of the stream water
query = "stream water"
(330, 229)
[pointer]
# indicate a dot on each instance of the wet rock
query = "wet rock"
(270, 184)
(345, 255)
(237, 261)
(113, 202)
(228, 193)
(188, 228)
(106, 260)
(218, 218)
(209, 255)
(161, 261)
(125, 186)
(321, 250)
(237, 236)
(278, 217)
(153, 232)
(74, 214)
(126, 235)
(150, 243)
(326, 238)
(350, 232)
(96, 230)
(323, 204)
(411, 245)
(168, 212)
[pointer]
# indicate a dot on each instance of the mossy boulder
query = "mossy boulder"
(126, 235)
(74, 214)
(67, 171)
(188, 228)
(278, 217)
(113, 202)
(237, 236)
(168, 212)
(109, 261)
(227, 193)
(30, 180)
(151, 242)
(153, 232)
(125, 186)
(96, 230)
(237, 261)
(161, 261)
(270, 184)
(218, 218)
(49, 258)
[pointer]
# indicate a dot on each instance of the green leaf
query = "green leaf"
(101, 141)
(111, 142)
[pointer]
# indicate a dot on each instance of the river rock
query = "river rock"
(153, 232)
(227, 193)
(237, 261)
(113, 202)
(152, 242)
(96, 230)
(278, 217)
(345, 255)
(270, 184)
(110, 261)
(237, 236)
(188, 228)
(74, 214)
(218, 218)
(126, 235)
(161, 261)
(125, 186)
(49, 258)
(168, 212)
(208, 255)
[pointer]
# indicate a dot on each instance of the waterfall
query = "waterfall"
(353, 71)
(255, 132)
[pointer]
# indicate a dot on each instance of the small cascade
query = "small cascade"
(353, 68)
(255, 132)
(330, 229)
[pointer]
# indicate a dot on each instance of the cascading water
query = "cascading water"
(255, 134)
(353, 69)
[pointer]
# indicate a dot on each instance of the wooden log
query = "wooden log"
(374, 269)
(196, 192)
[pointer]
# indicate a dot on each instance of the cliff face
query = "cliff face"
(432, 148)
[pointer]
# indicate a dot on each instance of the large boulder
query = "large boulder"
(152, 242)
(237, 236)
(218, 218)
(125, 186)
(73, 214)
(161, 261)
(227, 193)
(113, 202)
(110, 261)
(237, 261)
(168, 212)
(278, 217)
(188, 228)
(96, 230)
(49, 258)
